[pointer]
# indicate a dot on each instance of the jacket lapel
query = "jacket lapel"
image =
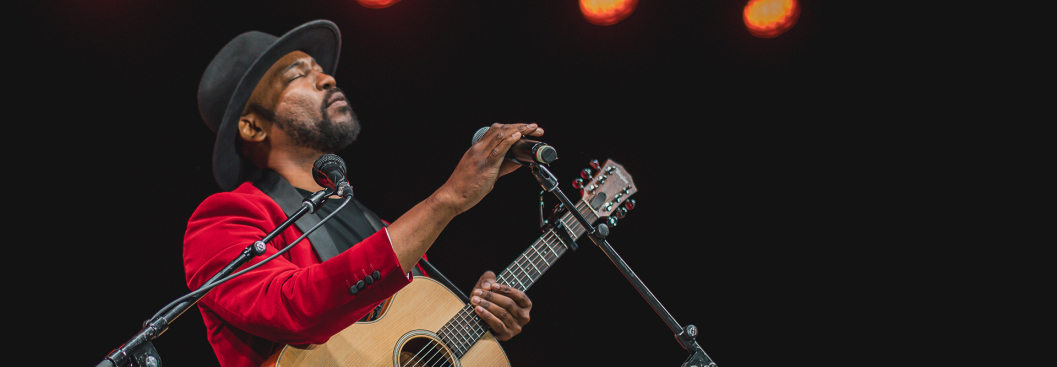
(284, 194)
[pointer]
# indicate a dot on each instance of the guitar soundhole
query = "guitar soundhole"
(424, 350)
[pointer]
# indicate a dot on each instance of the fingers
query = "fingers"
(487, 277)
(500, 329)
(501, 142)
(513, 294)
(500, 137)
(505, 309)
(538, 131)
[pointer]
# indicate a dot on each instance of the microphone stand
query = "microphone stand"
(685, 336)
(140, 352)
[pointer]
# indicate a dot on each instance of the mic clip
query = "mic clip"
(344, 190)
(316, 201)
(546, 223)
(553, 223)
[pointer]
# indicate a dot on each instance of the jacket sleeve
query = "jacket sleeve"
(292, 299)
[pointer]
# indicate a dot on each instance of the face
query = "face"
(305, 104)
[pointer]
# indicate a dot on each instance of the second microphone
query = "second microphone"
(524, 150)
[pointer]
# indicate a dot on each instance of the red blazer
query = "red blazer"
(293, 299)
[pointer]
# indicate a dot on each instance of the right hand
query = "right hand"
(482, 165)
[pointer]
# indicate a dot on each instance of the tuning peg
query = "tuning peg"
(578, 183)
(586, 173)
(630, 204)
(621, 212)
(611, 221)
(596, 165)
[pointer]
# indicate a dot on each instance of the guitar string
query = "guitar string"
(438, 353)
(532, 259)
(432, 343)
(410, 360)
(459, 321)
(461, 346)
(541, 256)
(465, 321)
(546, 240)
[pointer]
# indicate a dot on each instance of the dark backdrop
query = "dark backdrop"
(744, 151)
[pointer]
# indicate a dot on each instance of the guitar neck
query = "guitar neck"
(542, 254)
(462, 331)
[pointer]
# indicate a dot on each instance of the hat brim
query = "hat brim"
(319, 39)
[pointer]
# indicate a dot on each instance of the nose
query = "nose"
(324, 81)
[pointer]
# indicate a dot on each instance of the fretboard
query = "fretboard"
(463, 330)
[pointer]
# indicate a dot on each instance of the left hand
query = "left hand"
(505, 309)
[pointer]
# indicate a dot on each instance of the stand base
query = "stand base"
(698, 359)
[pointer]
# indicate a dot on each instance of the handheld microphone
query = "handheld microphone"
(329, 172)
(524, 150)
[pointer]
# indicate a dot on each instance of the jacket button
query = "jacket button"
(353, 290)
(360, 284)
(376, 275)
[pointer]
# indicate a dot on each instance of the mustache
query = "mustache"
(330, 93)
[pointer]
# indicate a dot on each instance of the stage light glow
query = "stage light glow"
(377, 4)
(770, 18)
(607, 12)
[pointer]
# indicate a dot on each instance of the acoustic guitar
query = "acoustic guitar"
(427, 325)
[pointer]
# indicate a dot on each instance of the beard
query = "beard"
(325, 134)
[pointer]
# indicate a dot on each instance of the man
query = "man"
(275, 109)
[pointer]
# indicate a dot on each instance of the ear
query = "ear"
(253, 128)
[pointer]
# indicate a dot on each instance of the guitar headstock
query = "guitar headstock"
(606, 188)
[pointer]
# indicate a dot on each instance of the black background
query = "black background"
(753, 202)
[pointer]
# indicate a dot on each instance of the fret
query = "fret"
(516, 271)
(454, 343)
(509, 278)
(550, 241)
(528, 271)
(534, 267)
(466, 337)
(534, 259)
(444, 336)
(523, 272)
(551, 248)
(538, 254)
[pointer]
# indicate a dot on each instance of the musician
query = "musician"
(275, 109)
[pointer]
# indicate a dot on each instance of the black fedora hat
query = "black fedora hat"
(230, 78)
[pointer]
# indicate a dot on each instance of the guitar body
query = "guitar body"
(422, 307)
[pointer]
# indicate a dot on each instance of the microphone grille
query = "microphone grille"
(323, 165)
(328, 159)
(477, 135)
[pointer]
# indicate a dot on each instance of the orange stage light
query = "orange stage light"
(606, 12)
(770, 18)
(377, 4)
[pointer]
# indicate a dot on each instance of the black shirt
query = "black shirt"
(348, 227)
